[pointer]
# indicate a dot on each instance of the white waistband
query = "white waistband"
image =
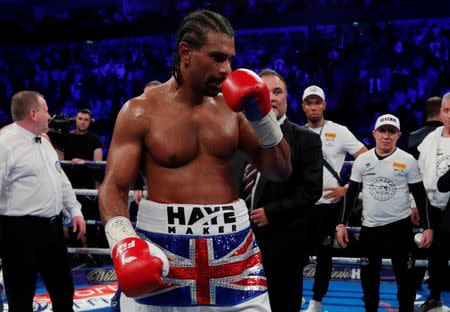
(192, 219)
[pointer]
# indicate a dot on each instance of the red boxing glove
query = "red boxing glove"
(245, 90)
(137, 267)
(139, 264)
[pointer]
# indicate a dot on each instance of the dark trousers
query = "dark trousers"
(393, 241)
(322, 236)
(439, 255)
(32, 245)
(283, 262)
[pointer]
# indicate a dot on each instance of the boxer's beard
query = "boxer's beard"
(213, 87)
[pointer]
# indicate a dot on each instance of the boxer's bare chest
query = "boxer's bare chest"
(177, 137)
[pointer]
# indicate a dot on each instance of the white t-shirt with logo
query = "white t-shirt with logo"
(438, 199)
(385, 192)
(337, 141)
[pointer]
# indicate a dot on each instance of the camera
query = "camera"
(58, 128)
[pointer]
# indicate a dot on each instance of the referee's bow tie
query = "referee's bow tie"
(37, 139)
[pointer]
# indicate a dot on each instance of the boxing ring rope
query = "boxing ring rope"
(89, 192)
(106, 251)
(336, 260)
(85, 163)
(101, 163)
(87, 250)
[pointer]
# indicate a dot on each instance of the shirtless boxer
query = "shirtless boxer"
(202, 254)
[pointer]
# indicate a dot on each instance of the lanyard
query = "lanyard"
(323, 126)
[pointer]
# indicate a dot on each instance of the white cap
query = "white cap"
(313, 90)
(387, 119)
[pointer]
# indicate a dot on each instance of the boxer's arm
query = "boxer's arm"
(122, 165)
(139, 264)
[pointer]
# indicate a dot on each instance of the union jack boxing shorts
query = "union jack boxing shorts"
(214, 261)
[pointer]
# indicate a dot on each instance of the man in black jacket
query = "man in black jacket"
(278, 210)
(432, 112)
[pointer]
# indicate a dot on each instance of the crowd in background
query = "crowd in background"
(366, 69)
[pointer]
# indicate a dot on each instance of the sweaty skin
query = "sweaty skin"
(185, 137)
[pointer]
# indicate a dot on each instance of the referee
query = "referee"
(33, 192)
(386, 175)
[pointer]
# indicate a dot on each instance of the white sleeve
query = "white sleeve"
(350, 142)
(4, 166)
(413, 174)
(70, 202)
(356, 170)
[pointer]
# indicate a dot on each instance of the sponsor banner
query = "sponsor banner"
(92, 298)
(94, 275)
(85, 298)
(348, 272)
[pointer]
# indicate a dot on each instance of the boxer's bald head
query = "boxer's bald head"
(194, 29)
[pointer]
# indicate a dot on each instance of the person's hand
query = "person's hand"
(427, 238)
(137, 195)
(334, 192)
(258, 217)
(78, 224)
(415, 218)
(342, 235)
(77, 160)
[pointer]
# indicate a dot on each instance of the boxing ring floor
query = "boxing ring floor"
(343, 295)
(346, 296)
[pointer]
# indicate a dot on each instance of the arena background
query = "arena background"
(371, 57)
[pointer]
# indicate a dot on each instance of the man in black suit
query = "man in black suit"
(432, 112)
(279, 209)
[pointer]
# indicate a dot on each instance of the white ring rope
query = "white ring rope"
(336, 260)
(87, 163)
(98, 222)
(92, 251)
(357, 261)
(89, 192)
(103, 162)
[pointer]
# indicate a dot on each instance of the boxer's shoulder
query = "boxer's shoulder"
(159, 92)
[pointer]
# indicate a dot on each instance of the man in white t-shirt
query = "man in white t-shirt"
(386, 175)
(337, 142)
(434, 161)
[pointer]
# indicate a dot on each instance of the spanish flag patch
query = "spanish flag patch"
(399, 165)
(330, 135)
